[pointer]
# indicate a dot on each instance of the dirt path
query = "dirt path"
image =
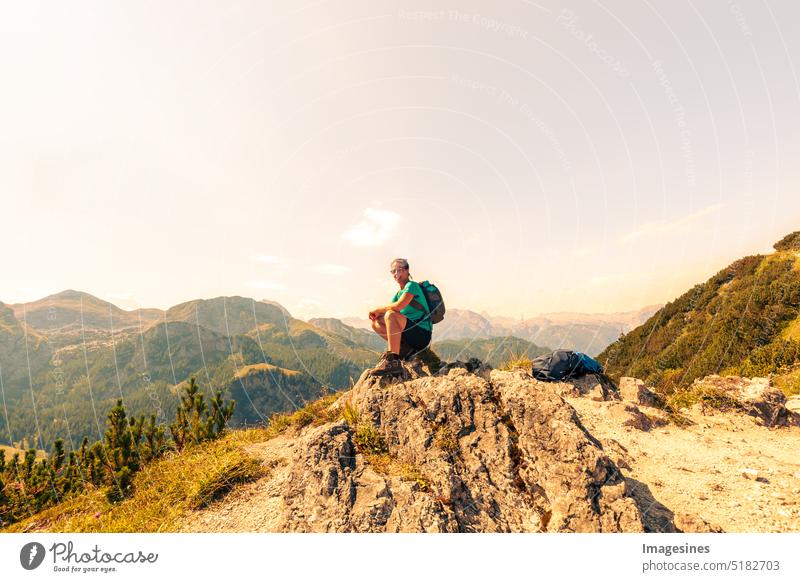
(700, 470)
(252, 507)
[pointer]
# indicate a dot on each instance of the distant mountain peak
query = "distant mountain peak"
(71, 294)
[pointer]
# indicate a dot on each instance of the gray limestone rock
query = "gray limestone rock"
(469, 449)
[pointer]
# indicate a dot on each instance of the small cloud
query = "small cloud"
(374, 229)
(661, 227)
(332, 269)
(270, 285)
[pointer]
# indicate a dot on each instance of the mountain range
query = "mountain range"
(584, 332)
(66, 358)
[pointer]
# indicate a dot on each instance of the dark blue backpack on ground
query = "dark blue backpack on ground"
(590, 365)
(564, 364)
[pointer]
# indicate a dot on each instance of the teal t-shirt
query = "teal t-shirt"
(409, 310)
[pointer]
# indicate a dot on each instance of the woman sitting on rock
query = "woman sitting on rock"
(405, 323)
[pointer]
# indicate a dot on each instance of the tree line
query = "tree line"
(731, 324)
(28, 486)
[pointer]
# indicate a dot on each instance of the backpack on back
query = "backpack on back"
(434, 298)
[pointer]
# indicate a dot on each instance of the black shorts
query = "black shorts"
(414, 336)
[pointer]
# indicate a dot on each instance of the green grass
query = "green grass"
(263, 367)
(792, 331)
(788, 383)
(515, 361)
(350, 414)
(706, 396)
(370, 442)
(315, 413)
(222, 478)
(385, 464)
(445, 440)
(163, 492)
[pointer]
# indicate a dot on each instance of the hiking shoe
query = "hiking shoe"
(389, 365)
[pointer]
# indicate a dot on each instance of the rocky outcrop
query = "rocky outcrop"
(334, 489)
(469, 449)
(628, 415)
(634, 390)
(594, 386)
(756, 397)
(793, 404)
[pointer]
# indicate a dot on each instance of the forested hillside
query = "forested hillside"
(67, 358)
(743, 320)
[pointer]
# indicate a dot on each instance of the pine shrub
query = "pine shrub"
(28, 486)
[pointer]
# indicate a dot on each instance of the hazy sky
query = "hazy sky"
(526, 156)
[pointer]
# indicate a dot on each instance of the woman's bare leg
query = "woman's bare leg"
(379, 327)
(395, 324)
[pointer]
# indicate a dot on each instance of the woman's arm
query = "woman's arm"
(401, 303)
